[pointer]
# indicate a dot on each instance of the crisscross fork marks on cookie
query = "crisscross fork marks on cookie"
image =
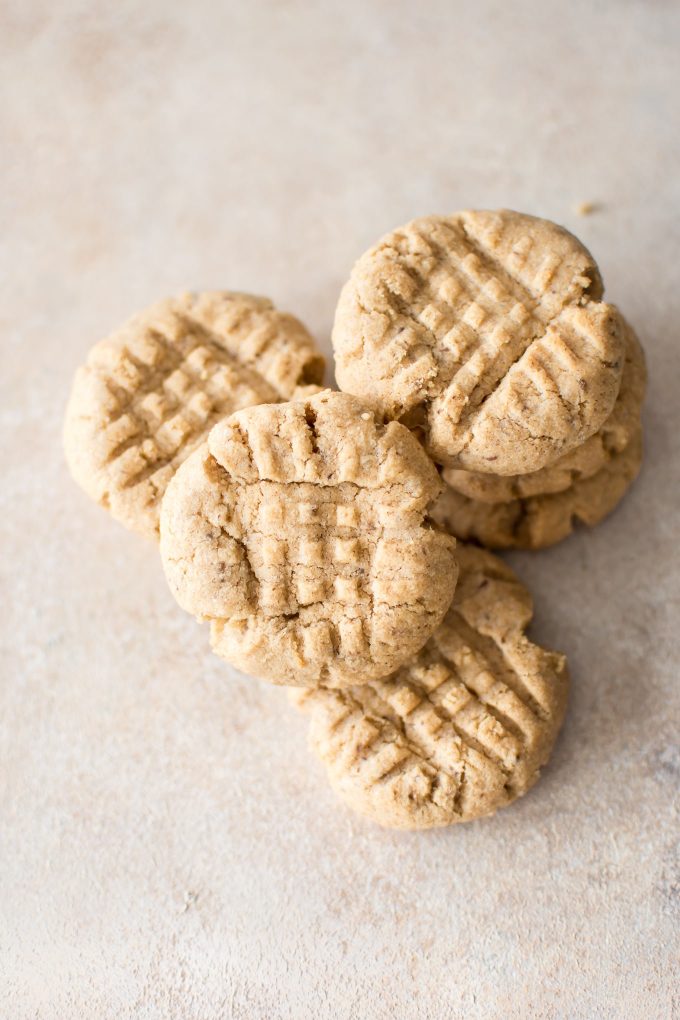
(306, 548)
(308, 545)
(462, 297)
(332, 533)
(449, 322)
(480, 318)
(150, 393)
(455, 309)
(175, 400)
(581, 463)
(439, 707)
(413, 738)
(463, 727)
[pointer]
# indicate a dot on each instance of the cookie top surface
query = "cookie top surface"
(301, 532)
(622, 425)
(484, 332)
(536, 522)
(149, 394)
(460, 730)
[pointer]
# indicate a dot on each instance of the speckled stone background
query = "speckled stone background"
(168, 847)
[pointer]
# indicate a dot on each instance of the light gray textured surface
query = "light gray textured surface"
(168, 846)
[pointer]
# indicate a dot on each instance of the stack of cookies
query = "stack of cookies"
(486, 333)
(488, 394)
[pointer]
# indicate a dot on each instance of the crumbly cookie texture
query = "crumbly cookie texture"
(149, 394)
(540, 521)
(301, 532)
(484, 332)
(459, 731)
(586, 460)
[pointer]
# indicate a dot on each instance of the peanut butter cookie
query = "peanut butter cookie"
(485, 332)
(459, 731)
(620, 428)
(301, 532)
(149, 394)
(539, 521)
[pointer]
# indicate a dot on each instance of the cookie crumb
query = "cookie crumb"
(586, 208)
(190, 898)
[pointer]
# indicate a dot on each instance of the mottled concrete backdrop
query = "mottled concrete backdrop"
(168, 848)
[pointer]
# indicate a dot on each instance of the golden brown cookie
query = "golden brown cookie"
(301, 532)
(149, 394)
(485, 332)
(463, 728)
(619, 429)
(540, 521)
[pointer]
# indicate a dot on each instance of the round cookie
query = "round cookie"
(583, 462)
(540, 521)
(484, 332)
(301, 532)
(459, 731)
(149, 394)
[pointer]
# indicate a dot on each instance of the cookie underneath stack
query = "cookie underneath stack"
(316, 535)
